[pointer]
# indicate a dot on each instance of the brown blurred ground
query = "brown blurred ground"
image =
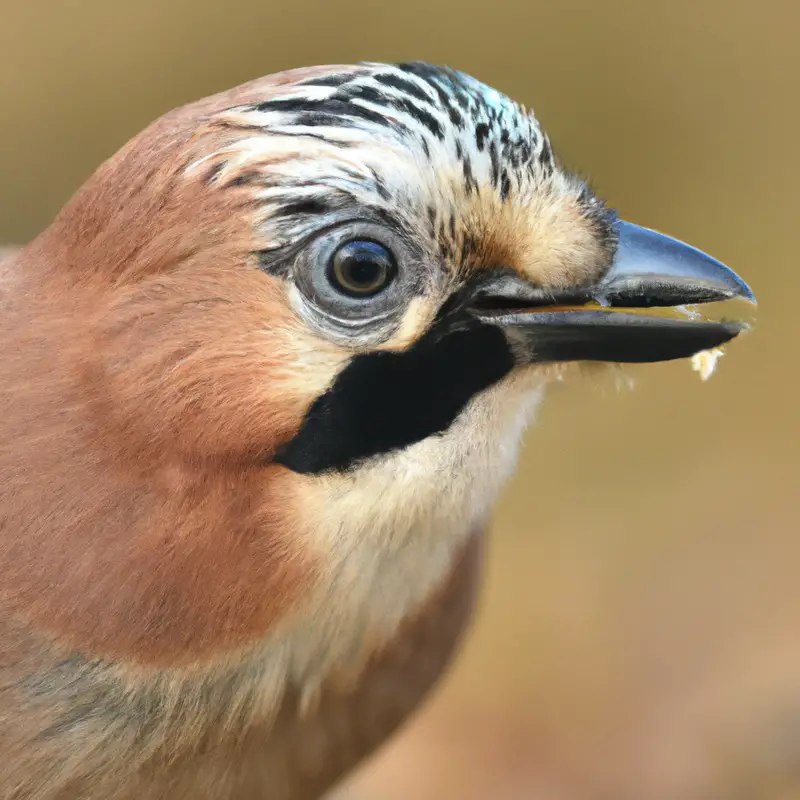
(640, 631)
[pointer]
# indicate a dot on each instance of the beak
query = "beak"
(649, 270)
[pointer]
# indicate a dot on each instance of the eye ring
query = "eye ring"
(361, 268)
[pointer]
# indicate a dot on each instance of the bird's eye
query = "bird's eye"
(355, 279)
(361, 268)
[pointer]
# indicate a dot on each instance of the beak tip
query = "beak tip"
(747, 293)
(646, 255)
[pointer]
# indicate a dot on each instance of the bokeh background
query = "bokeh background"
(639, 634)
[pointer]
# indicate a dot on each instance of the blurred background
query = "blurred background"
(639, 633)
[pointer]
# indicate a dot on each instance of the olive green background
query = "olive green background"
(639, 635)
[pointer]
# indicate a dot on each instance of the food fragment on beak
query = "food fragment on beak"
(705, 362)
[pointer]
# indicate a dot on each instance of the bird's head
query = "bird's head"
(352, 283)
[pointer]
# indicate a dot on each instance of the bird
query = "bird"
(262, 380)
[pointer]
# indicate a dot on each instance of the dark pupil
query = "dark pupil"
(362, 268)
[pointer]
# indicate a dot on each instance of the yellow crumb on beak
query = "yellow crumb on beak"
(706, 362)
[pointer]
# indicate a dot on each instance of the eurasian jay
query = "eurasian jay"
(261, 381)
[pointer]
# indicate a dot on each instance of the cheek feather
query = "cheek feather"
(206, 364)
